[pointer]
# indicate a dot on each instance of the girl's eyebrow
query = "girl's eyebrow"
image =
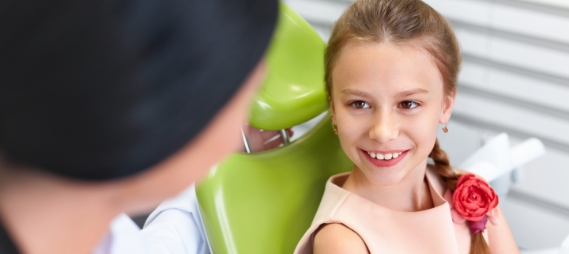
(399, 95)
(411, 92)
(355, 92)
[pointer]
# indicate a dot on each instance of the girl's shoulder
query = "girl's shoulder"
(338, 238)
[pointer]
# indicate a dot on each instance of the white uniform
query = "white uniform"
(175, 227)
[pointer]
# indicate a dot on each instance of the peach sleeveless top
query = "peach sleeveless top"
(388, 231)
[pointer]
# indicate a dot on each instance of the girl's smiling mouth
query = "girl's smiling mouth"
(385, 159)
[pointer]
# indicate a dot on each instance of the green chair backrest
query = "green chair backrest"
(264, 202)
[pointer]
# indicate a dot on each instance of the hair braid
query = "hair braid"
(442, 165)
(478, 244)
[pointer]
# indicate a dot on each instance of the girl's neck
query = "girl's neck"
(47, 214)
(411, 194)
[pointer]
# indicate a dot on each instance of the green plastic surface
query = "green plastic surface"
(264, 202)
(293, 91)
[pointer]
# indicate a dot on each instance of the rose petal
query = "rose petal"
(494, 203)
(480, 203)
(460, 180)
(480, 211)
(462, 192)
(448, 197)
(485, 188)
(456, 218)
(470, 206)
(460, 209)
(478, 225)
(493, 217)
(473, 218)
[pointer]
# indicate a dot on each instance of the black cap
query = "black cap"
(104, 89)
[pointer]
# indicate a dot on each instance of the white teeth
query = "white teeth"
(387, 156)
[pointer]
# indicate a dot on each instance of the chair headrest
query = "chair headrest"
(293, 91)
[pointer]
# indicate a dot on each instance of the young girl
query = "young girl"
(391, 71)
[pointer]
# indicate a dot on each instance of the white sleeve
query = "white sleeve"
(176, 227)
(123, 237)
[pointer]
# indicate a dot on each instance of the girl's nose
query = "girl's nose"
(384, 127)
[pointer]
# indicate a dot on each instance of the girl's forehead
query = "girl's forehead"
(418, 44)
(384, 49)
(373, 65)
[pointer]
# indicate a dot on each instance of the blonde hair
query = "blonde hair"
(404, 22)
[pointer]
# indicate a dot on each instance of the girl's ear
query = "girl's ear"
(447, 107)
(331, 109)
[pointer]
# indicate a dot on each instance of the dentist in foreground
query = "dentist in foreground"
(113, 106)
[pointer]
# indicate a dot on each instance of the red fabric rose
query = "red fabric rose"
(473, 197)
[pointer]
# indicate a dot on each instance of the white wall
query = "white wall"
(559, 3)
(515, 78)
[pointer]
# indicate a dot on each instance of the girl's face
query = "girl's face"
(387, 103)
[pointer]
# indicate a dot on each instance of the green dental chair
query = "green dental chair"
(264, 202)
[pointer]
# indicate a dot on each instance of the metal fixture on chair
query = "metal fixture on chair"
(285, 137)
(245, 141)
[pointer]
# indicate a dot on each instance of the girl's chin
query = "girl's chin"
(384, 177)
(394, 175)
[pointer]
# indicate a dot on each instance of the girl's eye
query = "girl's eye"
(360, 104)
(408, 104)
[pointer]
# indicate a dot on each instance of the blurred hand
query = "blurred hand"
(260, 140)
